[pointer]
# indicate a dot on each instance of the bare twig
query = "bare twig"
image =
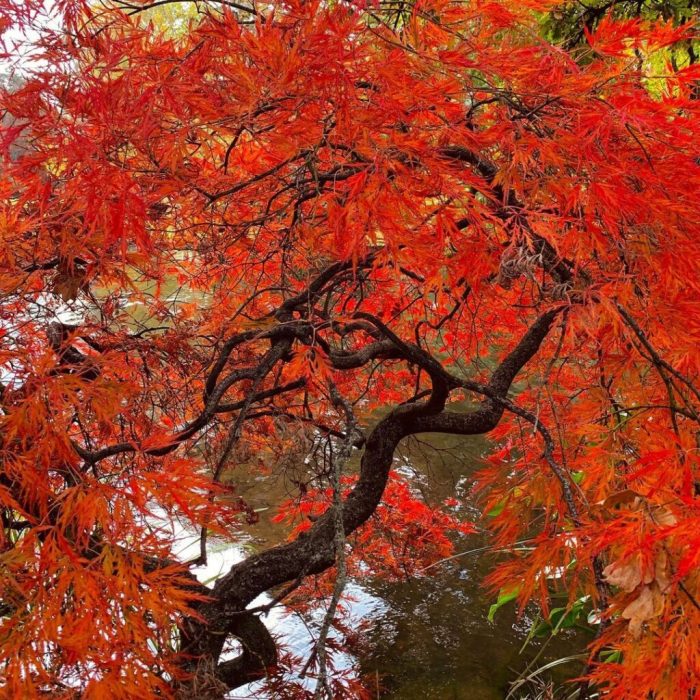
(339, 460)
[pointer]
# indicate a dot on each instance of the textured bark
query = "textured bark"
(314, 551)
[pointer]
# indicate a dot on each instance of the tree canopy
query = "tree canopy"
(380, 220)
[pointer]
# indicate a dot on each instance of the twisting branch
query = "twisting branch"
(315, 550)
(280, 335)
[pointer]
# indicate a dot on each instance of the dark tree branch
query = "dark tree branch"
(314, 551)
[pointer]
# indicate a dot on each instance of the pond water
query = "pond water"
(427, 637)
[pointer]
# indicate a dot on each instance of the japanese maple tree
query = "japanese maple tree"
(380, 220)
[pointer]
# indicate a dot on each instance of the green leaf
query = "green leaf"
(543, 629)
(505, 595)
(611, 657)
(515, 492)
(497, 509)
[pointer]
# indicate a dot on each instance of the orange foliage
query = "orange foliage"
(206, 237)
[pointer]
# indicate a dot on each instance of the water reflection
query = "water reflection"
(429, 636)
(433, 639)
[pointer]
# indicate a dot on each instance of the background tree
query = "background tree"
(361, 211)
(569, 21)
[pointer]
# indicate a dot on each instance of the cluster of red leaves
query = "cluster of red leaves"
(403, 537)
(240, 161)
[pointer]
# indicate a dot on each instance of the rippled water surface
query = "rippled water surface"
(429, 637)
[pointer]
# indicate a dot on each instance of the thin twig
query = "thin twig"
(339, 460)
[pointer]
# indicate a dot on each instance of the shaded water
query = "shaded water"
(433, 639)
(429, 637)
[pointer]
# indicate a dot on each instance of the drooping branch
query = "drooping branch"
(338, 462)
(133, 8)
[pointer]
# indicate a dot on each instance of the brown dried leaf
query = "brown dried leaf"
(628, 575)
(67, 285)
(663, 516)
(627, 497)
(661, 575)
(648, 605)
